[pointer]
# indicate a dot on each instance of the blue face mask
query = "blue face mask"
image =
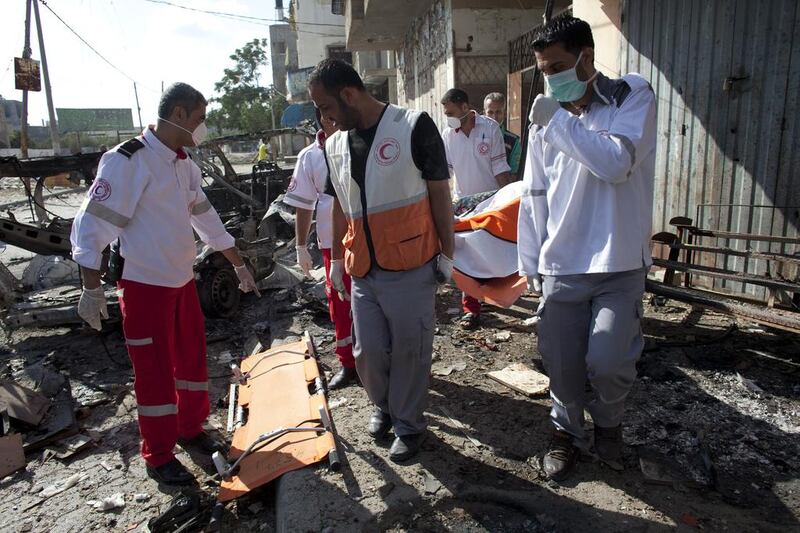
(565, 86)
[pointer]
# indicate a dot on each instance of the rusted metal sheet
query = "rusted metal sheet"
(722, 71)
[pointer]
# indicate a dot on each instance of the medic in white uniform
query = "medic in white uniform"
(583, 236)
(148, 194)
(307, 191)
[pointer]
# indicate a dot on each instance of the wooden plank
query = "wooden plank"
(521, 378)
(24, 404)
(776, 318)
(12, 457)
(744, 236)
(769, 256)
(729, 275)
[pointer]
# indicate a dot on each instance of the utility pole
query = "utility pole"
(26, 53)
(47, 91)
(139, 109)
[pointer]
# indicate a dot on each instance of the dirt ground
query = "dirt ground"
(715, 412)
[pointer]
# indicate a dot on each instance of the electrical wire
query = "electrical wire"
(93, 49)
(246, 18)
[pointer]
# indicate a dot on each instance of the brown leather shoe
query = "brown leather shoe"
(560, 459)
(608, 446)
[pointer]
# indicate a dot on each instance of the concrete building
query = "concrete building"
(283, 53)
(440, 44)
(320, 33)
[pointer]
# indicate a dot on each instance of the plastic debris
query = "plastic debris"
(115, 501)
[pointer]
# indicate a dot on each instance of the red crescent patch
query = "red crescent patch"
(483, 148)
(101, 190)
(387, 152)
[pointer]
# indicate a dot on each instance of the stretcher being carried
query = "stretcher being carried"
(486, 265)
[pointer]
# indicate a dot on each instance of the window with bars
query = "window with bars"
(337, 7)
(340, 52)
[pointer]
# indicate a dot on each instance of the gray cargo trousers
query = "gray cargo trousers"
(393, 324)
(590, 326)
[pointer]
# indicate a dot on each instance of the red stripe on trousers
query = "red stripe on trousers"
(173, 319)
(340, 313)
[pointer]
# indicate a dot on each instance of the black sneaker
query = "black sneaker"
(172, 473)
(205, 442)
(608, 446)
(560, 459)
(405, 447)
(343, 378)
(379, 424)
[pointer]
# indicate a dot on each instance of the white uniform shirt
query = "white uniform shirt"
(307, 189)
(474, 161)
(587, 203)
(152, 202)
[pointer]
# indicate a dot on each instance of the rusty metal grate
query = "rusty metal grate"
(481, 70)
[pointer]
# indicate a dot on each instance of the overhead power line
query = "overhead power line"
(92, 48)
(246, 18)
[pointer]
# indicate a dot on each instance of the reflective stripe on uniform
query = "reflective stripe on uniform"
(105, 213)
(347, 341)
(201, 208)
(157, 410)
(183, 384)
(534, 192)
(139, 342)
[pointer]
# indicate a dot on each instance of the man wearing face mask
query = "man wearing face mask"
(583, 236)
(148, 194)
(393, 216)
(476, 159)
(475, 147)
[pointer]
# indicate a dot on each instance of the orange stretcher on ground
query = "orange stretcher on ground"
(284, 417)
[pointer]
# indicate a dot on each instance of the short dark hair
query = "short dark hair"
(572, 33)
(455, 96)
(180, 95)
(334, 75)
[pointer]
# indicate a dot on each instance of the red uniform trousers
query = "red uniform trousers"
(165, 333)
(470, 304)
(340, 315)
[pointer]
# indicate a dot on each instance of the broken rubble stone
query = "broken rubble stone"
(502, 336)
(431, 484)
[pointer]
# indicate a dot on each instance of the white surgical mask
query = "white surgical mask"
(455, 122)
(199, 134)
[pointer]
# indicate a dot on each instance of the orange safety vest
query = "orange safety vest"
(398, 209)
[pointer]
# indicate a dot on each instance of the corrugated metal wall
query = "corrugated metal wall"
(727, 77)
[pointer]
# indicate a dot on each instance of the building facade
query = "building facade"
(283, 53)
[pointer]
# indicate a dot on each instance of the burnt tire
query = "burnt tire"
(218, 289)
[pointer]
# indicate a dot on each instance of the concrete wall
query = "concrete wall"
(604, 18)
(491, 29)
(280, 61)
(481, 47)
(425, 66)
(312, 41)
